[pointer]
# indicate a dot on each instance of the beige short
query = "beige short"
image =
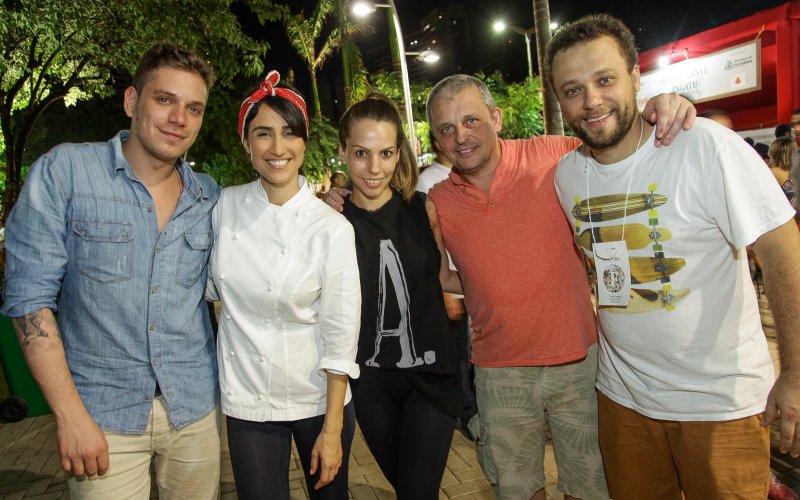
(513, 406)
(187, 461)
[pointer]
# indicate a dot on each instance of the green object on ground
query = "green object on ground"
(19, 379)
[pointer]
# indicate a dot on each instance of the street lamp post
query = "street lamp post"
(362, 8)
(501, 26)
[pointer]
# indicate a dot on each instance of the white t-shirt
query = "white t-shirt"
(291, 302)
(698, 353)
(431, 176)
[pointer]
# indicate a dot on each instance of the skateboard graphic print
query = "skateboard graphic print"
(657, 268)
(637, 236)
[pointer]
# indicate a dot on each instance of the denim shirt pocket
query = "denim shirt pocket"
(193, 257)
(103, 250)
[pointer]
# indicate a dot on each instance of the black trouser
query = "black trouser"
(460, 330)
(409, 438)
(260, 454)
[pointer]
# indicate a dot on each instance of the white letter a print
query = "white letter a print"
(390, 264)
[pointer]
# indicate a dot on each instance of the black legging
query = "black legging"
(260, 454)
(409, 438)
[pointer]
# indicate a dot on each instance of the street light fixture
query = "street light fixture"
(426, 56)
(500, 26)
(362, 8)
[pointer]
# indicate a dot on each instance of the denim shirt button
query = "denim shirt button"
(158, 250)
(152, 327)
(148, 398)
(154, 362)
(154, 290)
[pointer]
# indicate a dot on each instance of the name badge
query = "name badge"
(613, 273)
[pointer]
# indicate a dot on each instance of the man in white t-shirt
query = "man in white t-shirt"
(684, 370)
(459, 320)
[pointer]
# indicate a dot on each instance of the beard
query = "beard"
(600, 141)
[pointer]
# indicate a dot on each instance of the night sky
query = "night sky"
(654, 23)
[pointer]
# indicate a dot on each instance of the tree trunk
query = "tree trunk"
(13, 169)
(315, 94)
(347, 70)
(553, 125)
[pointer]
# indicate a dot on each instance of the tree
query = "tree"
(552, 111)
(356, 83)
(72, 50)
(303, 34)
(520, 103)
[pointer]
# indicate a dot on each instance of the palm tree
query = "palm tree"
(303, 34)
(356, 83)
(553, 124)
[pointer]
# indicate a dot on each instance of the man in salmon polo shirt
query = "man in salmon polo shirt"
(534, 335)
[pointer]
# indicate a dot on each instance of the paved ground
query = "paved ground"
(29, 464)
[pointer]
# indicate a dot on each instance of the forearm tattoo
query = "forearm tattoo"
(30, 327)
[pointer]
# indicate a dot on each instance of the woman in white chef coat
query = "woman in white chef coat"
(284, 266)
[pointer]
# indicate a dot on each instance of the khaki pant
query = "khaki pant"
(186, 462)
(656, 459)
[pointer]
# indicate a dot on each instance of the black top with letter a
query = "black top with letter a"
(403, 320)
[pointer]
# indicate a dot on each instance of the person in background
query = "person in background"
(782, 152)
(794, 121)
(784, 130)
(284, 266)
(115, 237)
(719, 116)
(459, 319)
(339, 180)
(408, 396)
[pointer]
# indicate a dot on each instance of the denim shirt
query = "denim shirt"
(83, 240)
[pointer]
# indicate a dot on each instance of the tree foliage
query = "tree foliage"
(72, 50)
(520, 103)
(305, 33)
(389, 85)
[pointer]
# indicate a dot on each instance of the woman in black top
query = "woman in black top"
(408, 396)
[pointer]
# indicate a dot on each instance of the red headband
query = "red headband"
(266, 88)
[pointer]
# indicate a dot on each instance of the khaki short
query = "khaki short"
(652, 458)
(513, 406)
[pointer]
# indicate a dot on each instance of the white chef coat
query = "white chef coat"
(291, 302)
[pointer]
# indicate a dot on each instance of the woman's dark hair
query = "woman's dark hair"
(288, 111)
(379, 108)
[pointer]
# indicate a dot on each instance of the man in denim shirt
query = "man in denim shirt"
(116, 237)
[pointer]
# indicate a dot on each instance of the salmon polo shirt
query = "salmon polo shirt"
(525, 285)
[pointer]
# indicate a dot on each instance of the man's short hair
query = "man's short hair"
(455, 84)
(167, 54)
(587, 29)
(711, 113)
(783, 130)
